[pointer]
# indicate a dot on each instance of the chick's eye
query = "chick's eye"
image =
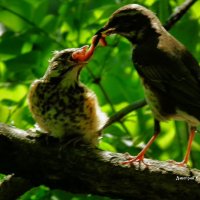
(65, 57)
(71, 58)
(54, 66)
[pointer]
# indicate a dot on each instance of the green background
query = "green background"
(31, 29)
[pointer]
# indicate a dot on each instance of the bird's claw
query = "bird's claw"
(180, 164)
(131, 160)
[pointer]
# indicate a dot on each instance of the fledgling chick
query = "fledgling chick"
(62, 106)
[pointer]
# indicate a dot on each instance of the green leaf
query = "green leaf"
(8, 102)
(6, 46)
(24, 61)
(38, 193)
(49, 23)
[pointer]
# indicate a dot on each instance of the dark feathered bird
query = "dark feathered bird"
(169, 73)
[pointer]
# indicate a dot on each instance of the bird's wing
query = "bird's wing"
(177, 77)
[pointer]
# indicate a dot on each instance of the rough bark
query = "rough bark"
(35, 160)
(12, 187)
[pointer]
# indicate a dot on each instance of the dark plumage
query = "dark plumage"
(169, 73)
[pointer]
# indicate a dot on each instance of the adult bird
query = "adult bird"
(62, 106)
(169, 73)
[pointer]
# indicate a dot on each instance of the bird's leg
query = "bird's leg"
(140, 156)
(191, 137)
(187, 154)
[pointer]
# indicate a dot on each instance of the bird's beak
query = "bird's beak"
(102, 34)
(106, 31)
(81, 55)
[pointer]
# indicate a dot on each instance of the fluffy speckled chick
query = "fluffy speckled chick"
(62, 106)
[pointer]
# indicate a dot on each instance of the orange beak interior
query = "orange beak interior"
(83, 54)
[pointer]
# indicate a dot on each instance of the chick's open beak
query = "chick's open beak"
(84, 54)
(81, 55)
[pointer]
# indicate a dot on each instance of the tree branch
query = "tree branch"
(85, 170)
(124, 111)
(12, 187)
(179, 12)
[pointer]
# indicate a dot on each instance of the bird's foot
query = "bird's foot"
(76, 141)
(35, 133)
(130, 160)
(180, 164)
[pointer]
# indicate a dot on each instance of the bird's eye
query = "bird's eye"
(54, 66)
(64, 57)
(71, 58)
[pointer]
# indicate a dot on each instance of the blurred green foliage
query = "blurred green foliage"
(31, 29)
